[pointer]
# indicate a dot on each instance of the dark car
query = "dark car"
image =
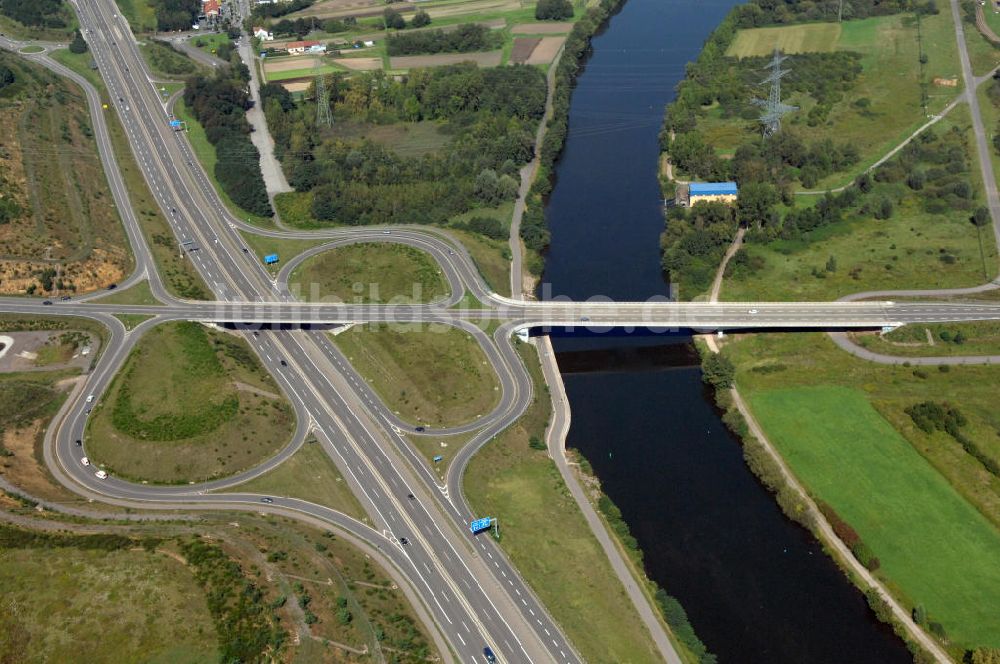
(79, 443)
(419, 429)
(65, 298)
(112, 286)
(47, 302)
(284, 364)
(265, 499)
(410, 496)
(488, 654)
(404, 541)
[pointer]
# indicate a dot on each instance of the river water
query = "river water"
(756, 586)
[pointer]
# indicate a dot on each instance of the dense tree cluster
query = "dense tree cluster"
(79, 44)
(391, 18)
(220, 105)
(490, 114)
(176, 14)
(930, 416)
(276, 9)
(553, 10)
(7, 76)
(769, 12)
(694, 242)
(36, 13)
(465, 38)
(421, 19)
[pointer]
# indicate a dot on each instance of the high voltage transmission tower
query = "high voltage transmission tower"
(773, 108)
(323, 116)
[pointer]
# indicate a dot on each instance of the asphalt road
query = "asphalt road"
(466, 584)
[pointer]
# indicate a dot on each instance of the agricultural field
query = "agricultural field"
(429, 375)
(190, 404)
(522, 487)
(926, 507)
(802, 38)
(370, 273)
(60, 232)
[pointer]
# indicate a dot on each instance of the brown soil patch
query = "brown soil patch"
(296, 86)
(489, 59)
(542, 28)
(546, 51)
(360, 64)
(523, 47)
(289, 64)
(243, 387)
(24, 471)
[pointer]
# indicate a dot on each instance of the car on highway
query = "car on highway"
(284, 364)
(267, 500)
(79, 443)
(101, 475)
(47, 302)
(488, 654)
(386, 232)
(65, 298)
(420, 429)
(410, 496)
(90, 398)
(113, 286)
(585, 319)
(404, 541)
(85, 461)
(752, 312)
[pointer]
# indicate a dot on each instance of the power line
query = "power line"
(774, 109)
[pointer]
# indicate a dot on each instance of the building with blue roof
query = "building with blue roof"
(699, 192)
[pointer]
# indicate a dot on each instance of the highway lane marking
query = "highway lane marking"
(466, 627)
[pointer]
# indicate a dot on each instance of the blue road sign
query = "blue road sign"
(480, 525)
(438, 458)
(270, 259)
(175, 123)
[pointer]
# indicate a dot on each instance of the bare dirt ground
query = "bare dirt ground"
(289, 64)
(23, 352)
(541, 28)
(546, 51)
(360, 64)
(296, 86)
(523, 48)
(489, 59)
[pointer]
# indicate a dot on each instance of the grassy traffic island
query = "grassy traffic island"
(369, 273)
(430, 375)
(905, 462)
(190, 404)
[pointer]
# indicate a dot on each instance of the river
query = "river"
(756, 586)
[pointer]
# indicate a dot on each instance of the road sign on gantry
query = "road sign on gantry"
(479, 525)
(175, 123)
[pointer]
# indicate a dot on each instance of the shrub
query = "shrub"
(553, 10)
(420, 19)
(78, 45)
(393, 19)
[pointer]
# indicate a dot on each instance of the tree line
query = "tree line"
(489, 115)
(466, 38)
(174, 15)
(756, 13)
(52, 14)
(220, 104)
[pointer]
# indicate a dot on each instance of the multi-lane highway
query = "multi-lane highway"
(474, 595)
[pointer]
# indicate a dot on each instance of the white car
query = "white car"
(85, 461)
(101, 475)
(90, 399)
(752, 312)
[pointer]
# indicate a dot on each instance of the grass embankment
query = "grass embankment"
(179, 275)
(70, 603)
(949, 340)
(56, 203)
(566, 567)
(310, 475)
(140, 14)
(166, 62)
(921, 244)
(140, 293)
(205, 152)
(919, 501)
(370, 273)
(432, 375)
(189, 404)
(131, 321)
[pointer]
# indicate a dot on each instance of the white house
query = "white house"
(263, 35)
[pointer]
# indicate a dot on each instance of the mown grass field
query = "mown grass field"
(189, 404)
(933, 545)
(141, 14)
(310, 475)
(370, 273)
(140, 293)
(804, 38)
(179, 275)
(566, 567)
(436, 376)
(841, 423)
(78, 605)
